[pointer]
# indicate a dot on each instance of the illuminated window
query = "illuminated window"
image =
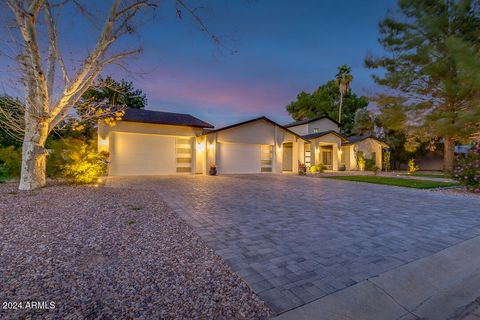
(316, 130)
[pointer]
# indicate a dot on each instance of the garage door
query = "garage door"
(148, 154)
(244, 158)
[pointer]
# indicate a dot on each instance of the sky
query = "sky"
(271, 50)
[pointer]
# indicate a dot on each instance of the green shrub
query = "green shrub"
(10, 162)
(76, 160)
(467, 170)
(370, 164)
(412, 167)
(317, 168)
(386, 160)
(84, 164)
(302, 169)
(360, 158)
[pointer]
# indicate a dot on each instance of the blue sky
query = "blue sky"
(283, 47)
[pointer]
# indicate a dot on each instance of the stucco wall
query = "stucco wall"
(301, 130)
(322, 125)
(368, 146)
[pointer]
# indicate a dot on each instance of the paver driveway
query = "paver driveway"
(296, 239)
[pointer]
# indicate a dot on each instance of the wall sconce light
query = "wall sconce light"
(200, 146)
(210, 146)
(103, 142)
(279, 149)
(340, 152)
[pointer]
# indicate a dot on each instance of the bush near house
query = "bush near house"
(317, 168)
(370, 164)
(78, 161)
(412, 167)
(467, 170)
(302, 168)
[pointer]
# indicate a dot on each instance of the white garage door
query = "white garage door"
(244, 158)
(146, 154)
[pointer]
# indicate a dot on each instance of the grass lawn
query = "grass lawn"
(399, 182)
(428, 175)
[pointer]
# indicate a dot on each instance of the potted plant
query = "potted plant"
(213, 170)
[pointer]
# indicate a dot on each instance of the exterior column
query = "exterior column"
(335, 157)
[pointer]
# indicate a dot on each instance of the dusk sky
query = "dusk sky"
(283, 47)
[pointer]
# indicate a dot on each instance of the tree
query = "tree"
(102, 94)
(343, 80)
(431, 69)
(11, 113)
(364, 122)
(111, 92)
(48, 102)
(324, 101)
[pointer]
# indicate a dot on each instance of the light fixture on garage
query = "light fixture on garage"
(340, 152)
(210, 146)
(200, 146)
(279, 149)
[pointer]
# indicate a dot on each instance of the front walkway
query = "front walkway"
(296, 239)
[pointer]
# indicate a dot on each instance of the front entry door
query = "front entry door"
(326, 157)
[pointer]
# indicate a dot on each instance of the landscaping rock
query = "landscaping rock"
(99, 253)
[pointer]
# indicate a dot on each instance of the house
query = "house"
(371, 147)
(149, 142)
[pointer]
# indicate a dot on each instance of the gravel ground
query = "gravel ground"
(458, 191)
(100, 253)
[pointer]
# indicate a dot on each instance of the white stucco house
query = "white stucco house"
(148, 142)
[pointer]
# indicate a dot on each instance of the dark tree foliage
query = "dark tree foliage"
(105, 93)
(325, 101)
(432, 69)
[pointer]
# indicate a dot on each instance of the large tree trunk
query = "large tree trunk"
(448, 154)
(34, 155)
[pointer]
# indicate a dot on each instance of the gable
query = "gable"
(324, 124)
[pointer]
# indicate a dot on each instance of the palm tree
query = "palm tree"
(343, 80)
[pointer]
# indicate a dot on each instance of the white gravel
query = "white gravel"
(101, 253)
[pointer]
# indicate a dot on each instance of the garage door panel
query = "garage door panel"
(239, 158)
(143, 154)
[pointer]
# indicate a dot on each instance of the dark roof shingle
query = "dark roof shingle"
(160, 117)
(355, 139)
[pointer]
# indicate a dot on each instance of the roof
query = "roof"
(324, 133)
(356, 139)
(297, 123)
(253, 120)
(160, 117)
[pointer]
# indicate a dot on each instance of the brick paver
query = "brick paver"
(296, 239)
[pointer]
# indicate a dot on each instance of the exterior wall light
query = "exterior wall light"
(200, 146)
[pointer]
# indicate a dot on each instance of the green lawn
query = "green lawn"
(399, 182)
(427, 175)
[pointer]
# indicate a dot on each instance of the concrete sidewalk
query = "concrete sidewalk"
(439, 286)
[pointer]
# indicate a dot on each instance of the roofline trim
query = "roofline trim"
(314, 119)
(171, 124)
(253, 120)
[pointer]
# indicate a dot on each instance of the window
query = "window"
(308, 155)
(316, 130)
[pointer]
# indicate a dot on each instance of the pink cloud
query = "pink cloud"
(214, 93)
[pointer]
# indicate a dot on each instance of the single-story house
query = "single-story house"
(149, 142)
(371, 147)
